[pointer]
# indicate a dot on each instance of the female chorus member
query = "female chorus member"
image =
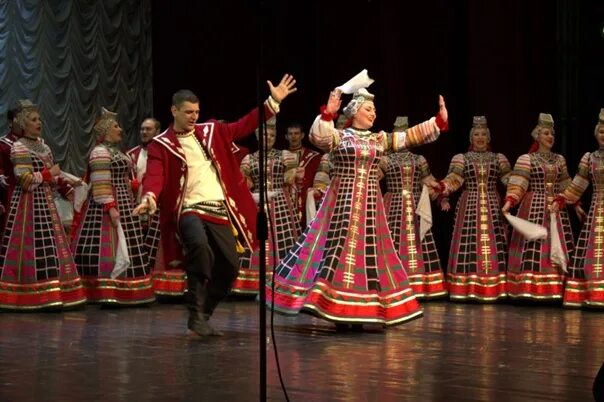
(585, 282)
(534, 272)
(344, 268)
(108, 245)
(283, 227)
(406, 173)
(37, 269)
(477, 257)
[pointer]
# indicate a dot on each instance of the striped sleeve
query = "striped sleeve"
(424, 169)
(573, 192)
(23, 167)
(322, 179)
(519, 178)
(100, 175)
(505, 169)
(455, 179)
(323, 131)
(426, 175)
(420, 134)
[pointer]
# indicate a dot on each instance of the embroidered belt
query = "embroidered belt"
(214, 209)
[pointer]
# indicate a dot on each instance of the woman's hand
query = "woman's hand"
(580, 213)
(334, 102)
(506, 207)
(554, 207)
(55, 170)
(444, 205)
(115, 217)
(442, 109)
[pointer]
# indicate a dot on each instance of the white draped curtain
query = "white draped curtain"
(71, 57)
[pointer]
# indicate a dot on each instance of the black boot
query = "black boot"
(215, 332)
(197, 323)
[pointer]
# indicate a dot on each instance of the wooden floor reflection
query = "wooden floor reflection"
(456, 352)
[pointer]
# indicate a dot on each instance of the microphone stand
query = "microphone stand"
(261, 222)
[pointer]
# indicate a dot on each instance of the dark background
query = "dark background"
(507, 60)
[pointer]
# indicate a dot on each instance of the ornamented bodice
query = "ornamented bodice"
(41, 156)
(596, 172)
(359, 152)
(403, 173)
(481, 170)
(275, 170)
(121, 167)
(545, 174)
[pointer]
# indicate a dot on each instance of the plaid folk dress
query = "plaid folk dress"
(168, 281)
(478, 252)
(536, 179)
(405, 173)
(344, 267)
(37, 269)
(96, 240)
(585, 282)
(283, 226)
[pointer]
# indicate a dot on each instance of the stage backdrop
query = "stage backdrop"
(71, 57)
(507, 60)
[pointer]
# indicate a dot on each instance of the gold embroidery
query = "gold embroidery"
(484, 218)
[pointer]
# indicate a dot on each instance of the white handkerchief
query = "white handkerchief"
(80, 193)
(557, 254)
(530, 231)
(311, 207)
(424, 211)
(361, 80)
(122, 259)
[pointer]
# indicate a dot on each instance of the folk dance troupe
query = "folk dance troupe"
(349, 220)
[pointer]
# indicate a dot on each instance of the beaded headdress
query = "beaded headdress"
(480, 122)
(104, 122)
(360, 96)
(401, 123)
(545, 121)
(23, 107)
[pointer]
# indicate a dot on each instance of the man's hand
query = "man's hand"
(147, 206)
(285, 87)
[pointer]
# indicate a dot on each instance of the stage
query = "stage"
(456, 352)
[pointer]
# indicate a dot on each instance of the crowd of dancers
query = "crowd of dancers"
(349, 229)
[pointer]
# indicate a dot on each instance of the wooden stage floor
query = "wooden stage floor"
(456, 352)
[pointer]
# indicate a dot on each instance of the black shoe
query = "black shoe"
(215, 332)
(198, 325)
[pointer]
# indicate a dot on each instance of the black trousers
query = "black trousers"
(598, 387)
(211, 256)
